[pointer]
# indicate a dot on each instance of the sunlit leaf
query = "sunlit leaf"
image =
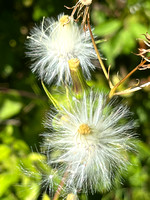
(4, 152)
(6, 180)
(45, 197)
(107, 27)
(10, 108)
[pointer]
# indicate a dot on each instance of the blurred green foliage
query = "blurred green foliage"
(23, 103)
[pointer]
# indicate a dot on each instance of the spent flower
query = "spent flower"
(91, 138)
(54, 43)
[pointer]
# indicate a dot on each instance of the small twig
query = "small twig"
(14, 122)
(128, 91)
(56, 196)
(97, 52)
(126, 77)
(20, 92)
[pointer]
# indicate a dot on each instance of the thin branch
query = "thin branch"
(21, 93)
(14, 122)
(130, 90)
(122, 80)
(97, 52)
(60, 187)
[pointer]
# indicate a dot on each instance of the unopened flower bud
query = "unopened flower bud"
(76, 74)
(74, 64)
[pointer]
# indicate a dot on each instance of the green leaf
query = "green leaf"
(144, 150)
(4, 152)
(126, 41)
(6, 135)
(28, 190)
(108, 27)
(6, 180)
(51, 98)
(140, 194)
(97, 17)
(10, 108)
(21, 147)
(45, 197)
(137, 30)
(9, 196)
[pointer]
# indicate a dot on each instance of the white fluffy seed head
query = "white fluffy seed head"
(53, 44)
(92, 138)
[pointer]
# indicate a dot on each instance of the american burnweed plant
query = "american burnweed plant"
(88, 136)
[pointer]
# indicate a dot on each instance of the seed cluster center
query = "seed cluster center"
(84, 129)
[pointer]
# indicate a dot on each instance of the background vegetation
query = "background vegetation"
(23, 103)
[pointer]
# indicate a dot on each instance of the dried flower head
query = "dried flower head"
(54, 43)
(82, 10)
(143, 51)
(91, 138)
(86, 2)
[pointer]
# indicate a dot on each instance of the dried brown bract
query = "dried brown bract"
(144, 64)
(82, 10)
(143, 51)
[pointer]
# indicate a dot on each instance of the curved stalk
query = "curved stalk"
(60, 187)
(98, 55)
(122, 80)
(52, 99)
